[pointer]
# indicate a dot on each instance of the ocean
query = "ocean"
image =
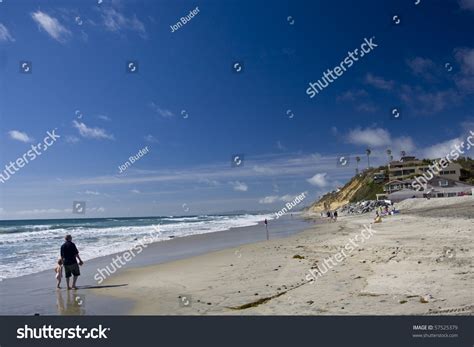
(31, 246)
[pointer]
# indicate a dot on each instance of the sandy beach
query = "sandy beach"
(418, 262)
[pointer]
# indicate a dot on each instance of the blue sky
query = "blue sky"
(79, 86)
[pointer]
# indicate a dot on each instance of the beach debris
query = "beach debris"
(256, 303)
(458, 310)
(403, 301)
(310, 302)
(426, 298)
(297, 256)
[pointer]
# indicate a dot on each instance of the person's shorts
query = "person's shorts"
(72, 269)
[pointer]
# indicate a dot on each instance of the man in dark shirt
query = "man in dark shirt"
(69, 253)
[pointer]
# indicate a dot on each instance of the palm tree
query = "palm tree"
(403, 153)
(368, 151)
(357, 168)
(389, 153)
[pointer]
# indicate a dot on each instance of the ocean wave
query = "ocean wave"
(96, 239)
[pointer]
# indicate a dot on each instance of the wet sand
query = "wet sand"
(36, 293)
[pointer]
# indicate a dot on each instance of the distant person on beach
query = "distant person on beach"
(328, 214)
(59, 272)
(378, 217)
(69, 253)
(335, 216)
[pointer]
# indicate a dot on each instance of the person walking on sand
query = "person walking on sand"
(335, 216)
(266, 227)
(69, 253)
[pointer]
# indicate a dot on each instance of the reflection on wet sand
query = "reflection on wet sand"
(75, 303)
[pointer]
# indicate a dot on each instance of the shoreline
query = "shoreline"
(36, 293)
(404, 269)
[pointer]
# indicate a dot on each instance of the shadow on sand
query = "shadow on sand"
(100, 287)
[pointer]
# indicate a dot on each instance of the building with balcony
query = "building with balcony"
(409, 167)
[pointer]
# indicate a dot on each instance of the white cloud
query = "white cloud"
(93, 133)
(360, 99)
(274, 198)
(373, 137)
(378, 140)
(91, 192)
(263, 170)
(268, 199)
(441, 149)
(366, 107)
(378, 82)
(96, 209)
(280, 146)
(151, 139)
(19, 136)
(5, 34)
(161, 111)
(352, 95)
(72, 139)
(428, 102)
(211, 183)
(104, 118)
(318, 180)
(421, 66)
(289, 166)
(466, 57)
(239, 186)
(467, 4)
(51, 25)
(43, 211)
(465, 79)
(116, 21)
(290, 197)
(135, 191)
